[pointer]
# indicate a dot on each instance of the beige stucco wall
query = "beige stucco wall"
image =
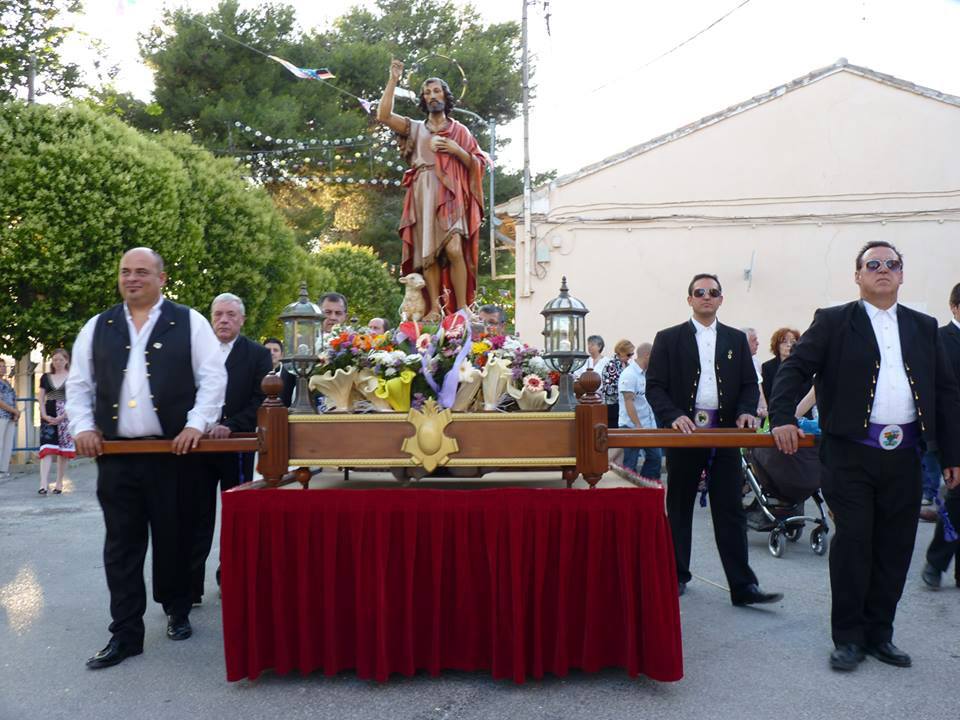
(841, 156)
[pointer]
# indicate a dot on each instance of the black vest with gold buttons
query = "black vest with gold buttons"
(169, 367)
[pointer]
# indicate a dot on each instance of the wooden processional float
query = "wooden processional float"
(433, 440)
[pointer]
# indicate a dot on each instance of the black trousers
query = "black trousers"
(139, 494)
(941, 552)
(210, 470)
(875, 499)
(729, 519)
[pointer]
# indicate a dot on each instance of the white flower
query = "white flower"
(512, 343)
(537, 364)
(533, 383)
(390, 372)
(424, 342)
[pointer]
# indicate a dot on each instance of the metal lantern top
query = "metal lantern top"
(564, 331)
(302, 321)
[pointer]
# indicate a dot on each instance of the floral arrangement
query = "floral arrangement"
(406, 367)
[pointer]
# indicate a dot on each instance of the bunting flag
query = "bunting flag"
(321, 74)
(304, 73)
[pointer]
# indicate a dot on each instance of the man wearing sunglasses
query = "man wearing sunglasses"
(701, 375)
(885, 392)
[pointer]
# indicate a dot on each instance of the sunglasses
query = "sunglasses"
(701, 292)
(892, 265)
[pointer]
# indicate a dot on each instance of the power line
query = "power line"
(679, 45)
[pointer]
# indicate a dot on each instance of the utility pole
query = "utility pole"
(523, 270)
(26, 436)
(31, 77)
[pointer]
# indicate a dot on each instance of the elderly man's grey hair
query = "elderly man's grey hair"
(229, 297)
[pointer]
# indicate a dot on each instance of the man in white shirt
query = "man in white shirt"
(701, 375)
(885, 392)
(635, 412)
(146, 368)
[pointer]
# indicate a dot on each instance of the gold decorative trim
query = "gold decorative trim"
(512, 417)
(401, 417)
(511, 462)
(352, 462)
(348, 418)
(452, 462)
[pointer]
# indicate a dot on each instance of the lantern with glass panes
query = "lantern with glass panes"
(564, 341)
(302, 329)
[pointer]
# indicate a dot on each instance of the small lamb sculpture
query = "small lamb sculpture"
(413, 307)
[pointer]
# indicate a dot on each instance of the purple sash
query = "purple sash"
(892, 437)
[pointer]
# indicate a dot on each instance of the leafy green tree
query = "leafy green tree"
(78, 188)
(365, 280)
(31, 28)
(205, 83)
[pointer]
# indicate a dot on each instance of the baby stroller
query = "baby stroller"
(781, 484)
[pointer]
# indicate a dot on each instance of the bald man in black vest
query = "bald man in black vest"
(145, 368)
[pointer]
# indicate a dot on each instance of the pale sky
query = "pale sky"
(597, 91)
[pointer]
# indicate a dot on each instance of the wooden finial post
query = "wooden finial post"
(591, 418)
(273, 432)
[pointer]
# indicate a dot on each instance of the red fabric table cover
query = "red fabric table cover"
(516, 581)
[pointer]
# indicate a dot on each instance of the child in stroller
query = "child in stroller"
(781, 484)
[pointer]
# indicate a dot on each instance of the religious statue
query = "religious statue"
(443, 207)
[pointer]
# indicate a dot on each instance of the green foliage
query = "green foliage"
(364, 279)
(205, 83)
(78, 188)
(31, 28)
(241, 244)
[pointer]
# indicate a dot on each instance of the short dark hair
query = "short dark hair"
(448, 101)
(703, 276)
(501, 313)
(597, 340)
(875, 244)
(275, 341)
(955, 295)
(335, 297)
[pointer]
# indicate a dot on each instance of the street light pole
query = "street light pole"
(524, 251)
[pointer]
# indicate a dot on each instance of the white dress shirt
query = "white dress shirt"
(590, 365)
(707, 396)
(141, 420)
(955, 322)
(226, 348)
(893, 402)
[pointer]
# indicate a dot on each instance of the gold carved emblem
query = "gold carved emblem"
(429, 447)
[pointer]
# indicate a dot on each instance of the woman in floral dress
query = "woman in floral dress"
(55, 438)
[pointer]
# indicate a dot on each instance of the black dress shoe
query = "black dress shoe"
(178, 628)
(931, 576)
(890, 654)
(846, 657)
(113, 654)
(681, 588)
(753, 595)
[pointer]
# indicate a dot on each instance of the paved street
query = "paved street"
(753, 663)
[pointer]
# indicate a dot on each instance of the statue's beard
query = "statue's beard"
(435, 106)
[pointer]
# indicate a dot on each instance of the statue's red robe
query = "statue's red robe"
(461, 195)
